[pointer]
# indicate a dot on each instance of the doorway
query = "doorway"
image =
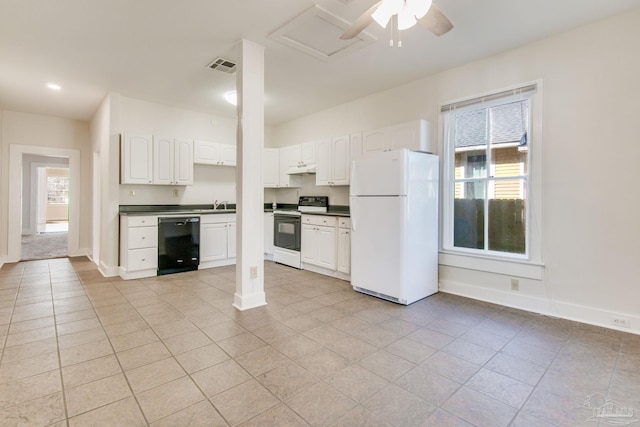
(23, 222)
(45, 207)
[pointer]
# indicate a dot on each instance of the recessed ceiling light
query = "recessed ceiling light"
(231, 97)
(54, 86)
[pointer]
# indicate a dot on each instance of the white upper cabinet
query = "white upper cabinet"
(289, 156)
(308, 153)
(356, 145)
(136, 159)
(271, 167)
(183, 162)
(228, 155)
(172, 161)
(333, 160)
(163, 154)
(147, 159)
(415, 135)
(375, 140)
(214, 153)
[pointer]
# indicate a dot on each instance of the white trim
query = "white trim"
(246, 302)
(108, 271)
(543, 306)
(530, 265)
(16, 152)
(508, 267)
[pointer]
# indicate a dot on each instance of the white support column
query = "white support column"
(249, 190)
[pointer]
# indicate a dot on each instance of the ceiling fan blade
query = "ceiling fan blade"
(436, 22)
(360, 24)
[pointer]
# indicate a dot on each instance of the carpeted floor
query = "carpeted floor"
(44, 246)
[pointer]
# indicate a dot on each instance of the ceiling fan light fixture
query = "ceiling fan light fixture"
(386, 10)
(406, 18)
(419, 7)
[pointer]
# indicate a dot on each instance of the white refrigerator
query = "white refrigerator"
(394, 225)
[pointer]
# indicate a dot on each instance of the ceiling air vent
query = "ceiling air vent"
(223, 65)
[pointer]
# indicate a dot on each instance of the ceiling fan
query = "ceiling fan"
(404, 14)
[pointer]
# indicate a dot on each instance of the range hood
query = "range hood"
(302, 169)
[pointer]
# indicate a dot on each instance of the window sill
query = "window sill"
(507, 267)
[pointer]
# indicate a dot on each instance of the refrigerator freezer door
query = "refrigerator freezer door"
(380, 174)
(377, 247)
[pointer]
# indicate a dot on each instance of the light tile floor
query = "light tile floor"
(79, 349)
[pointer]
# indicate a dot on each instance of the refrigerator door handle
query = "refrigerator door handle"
(352, 214)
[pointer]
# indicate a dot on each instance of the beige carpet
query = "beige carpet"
(44, 246)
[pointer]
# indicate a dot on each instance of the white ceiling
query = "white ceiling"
(158, 50)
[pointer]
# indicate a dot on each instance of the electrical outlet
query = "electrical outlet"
(175, 192)
(515, 285)
(132, 193)
(623, 322)
(253, 272)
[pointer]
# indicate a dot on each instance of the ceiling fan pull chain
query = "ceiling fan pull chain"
(391, 32)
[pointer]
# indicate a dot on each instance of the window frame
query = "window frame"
(530, 263)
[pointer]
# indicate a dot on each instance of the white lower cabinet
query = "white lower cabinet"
(217, 240)
(138, 246)
(318, 241)
(344, 245)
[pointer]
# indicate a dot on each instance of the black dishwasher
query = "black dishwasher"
(178, 244)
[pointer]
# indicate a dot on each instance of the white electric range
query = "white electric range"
(287, 229)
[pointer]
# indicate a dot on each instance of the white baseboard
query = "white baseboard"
(108, 271)
(326, 271)
(81, 252)
(577, 313)
(217, 263)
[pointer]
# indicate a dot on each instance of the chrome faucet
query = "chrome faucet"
(216, 204)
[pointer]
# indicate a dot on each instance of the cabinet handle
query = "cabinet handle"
(143, 238)
(144, 259)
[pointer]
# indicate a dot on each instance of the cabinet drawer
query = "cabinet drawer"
(216, 218)
(142, 237)
(142, 221)
(329, 221)
(142, 259)
(344, 222)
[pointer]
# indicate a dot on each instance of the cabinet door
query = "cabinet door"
(271, 167)
(231, 240)
(341, 160)
(344, 251)
(414, 135)
(356, 145)
(308, 244)
(227, 155)
(136, 159)
(324, 163)
(163, 166)
(206, 152)
(289, 157)
(213, 241)
(308, 153)
(326, 247)
(183, 162)
(375, 140)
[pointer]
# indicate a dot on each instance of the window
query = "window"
(58, 190)
(486, 175)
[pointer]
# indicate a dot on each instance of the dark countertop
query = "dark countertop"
(140, 210)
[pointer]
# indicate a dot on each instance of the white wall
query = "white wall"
(46, 131)
(590, 147)
(210, 182)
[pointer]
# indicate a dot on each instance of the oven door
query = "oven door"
(286, 231)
